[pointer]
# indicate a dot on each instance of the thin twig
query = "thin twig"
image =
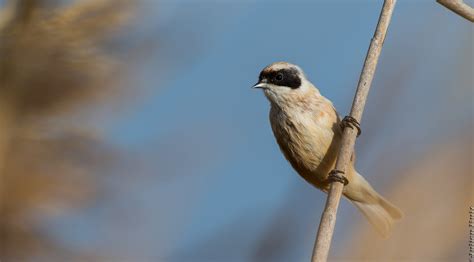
(328, 218)
(459, 7)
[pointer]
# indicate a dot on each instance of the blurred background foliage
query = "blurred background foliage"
(53, 65)
(128, 130)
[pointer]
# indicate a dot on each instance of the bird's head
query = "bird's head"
(283, 83)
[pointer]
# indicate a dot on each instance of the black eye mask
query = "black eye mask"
(284, 77)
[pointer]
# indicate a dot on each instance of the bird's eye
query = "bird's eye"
(279, 77)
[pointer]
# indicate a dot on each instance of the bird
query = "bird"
(308, 131)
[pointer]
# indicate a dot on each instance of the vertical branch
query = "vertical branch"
(328, 218)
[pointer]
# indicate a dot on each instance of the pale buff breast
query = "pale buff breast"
(309, 138)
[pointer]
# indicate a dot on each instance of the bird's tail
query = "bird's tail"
(379, 211)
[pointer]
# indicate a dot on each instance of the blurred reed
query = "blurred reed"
(435, 227)
(53, 63)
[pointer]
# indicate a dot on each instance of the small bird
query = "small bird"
(307, 128)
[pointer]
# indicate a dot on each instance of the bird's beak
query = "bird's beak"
(260, 85)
